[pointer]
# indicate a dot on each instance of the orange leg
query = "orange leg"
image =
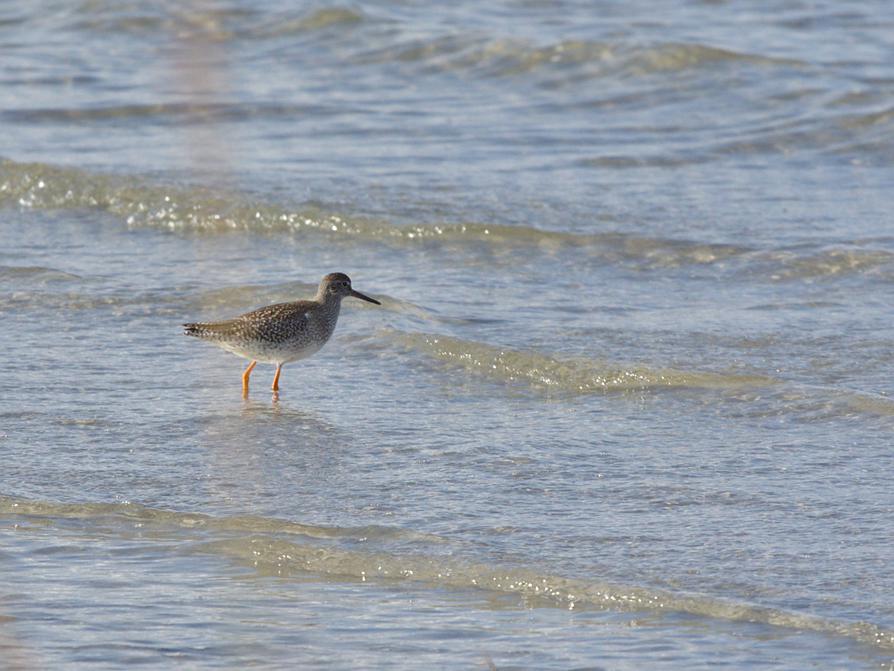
(276, 377)
(245, 377)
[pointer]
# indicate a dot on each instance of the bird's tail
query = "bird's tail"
(210, 330)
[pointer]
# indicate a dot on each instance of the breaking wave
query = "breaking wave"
(289, 549)
(753, 395)
(508, 57)
(143, 204)
(568, 376)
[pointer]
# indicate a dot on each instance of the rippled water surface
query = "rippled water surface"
(626, 403)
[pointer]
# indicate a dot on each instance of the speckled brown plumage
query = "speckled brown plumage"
(283, 332)
(272, 325)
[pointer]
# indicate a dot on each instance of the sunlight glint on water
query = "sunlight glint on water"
(628, 392)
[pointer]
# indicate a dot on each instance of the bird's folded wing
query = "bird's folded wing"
(271, 323)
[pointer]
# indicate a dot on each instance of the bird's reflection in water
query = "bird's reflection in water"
(279, 411)
(266, 450)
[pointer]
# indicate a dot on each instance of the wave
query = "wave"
(683, 56)
(565, 376)
(748, 395)
(133, 513)
(140, 203)
(509, 57)
(179, 114)
(35, 274)
(817, 403)
(217, 24)
(458, 50)
(290, 549)
(143, 204)
(789, 265)
(284, 559)
(861, 137)
(318, 20)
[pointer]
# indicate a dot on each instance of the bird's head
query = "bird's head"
(339, 284)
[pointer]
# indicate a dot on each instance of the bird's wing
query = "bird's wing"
(275, 322)
(271, 322)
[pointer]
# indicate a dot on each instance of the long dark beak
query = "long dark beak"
(357, 294)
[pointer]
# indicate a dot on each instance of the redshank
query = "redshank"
(283, 332)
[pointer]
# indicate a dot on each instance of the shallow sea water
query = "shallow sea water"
(626, 403)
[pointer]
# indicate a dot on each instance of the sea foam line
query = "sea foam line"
(285, 549)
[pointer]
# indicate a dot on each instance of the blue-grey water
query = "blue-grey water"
(627, 403)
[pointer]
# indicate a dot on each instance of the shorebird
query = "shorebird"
(283, 332)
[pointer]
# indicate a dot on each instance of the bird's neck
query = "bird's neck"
(331, 304)
(328, 300)
(328, 315)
